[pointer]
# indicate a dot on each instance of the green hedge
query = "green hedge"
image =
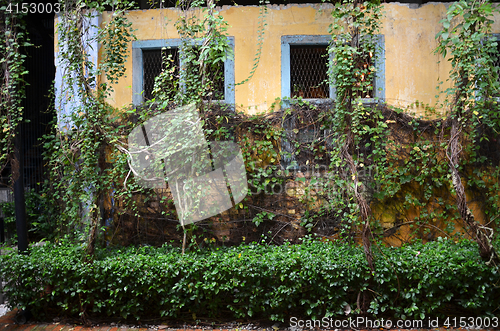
(312, 280)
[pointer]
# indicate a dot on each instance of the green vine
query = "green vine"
(78, 154)
(472, 99)
(354, 31)
(13, 37)
(260, 39)
(354, 28)
(362, 171)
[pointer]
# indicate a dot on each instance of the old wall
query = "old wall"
(411, 73)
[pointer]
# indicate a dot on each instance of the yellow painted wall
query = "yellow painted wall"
(412, 70)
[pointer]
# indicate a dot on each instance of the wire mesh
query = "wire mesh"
(308, 71)
(157, 60)
(38, 112)
(153, 64)
(216, 77)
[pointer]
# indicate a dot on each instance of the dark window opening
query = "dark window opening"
(167, 60)
(154, 62)
(38, 109)
(496, 61)
(309, 71)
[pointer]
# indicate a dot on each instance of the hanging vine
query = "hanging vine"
(352, 72)
(260, 39)
(473, 98)
(77, 153)
(13, 38)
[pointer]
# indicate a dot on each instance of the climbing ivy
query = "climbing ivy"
(354, 28)
(77, 152)
(13, 37)
(472, 100)
(352, 74)
(365, 159)
(86, 142)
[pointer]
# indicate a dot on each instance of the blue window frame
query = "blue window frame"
(139, 51)
(289, 43)
(315, 45)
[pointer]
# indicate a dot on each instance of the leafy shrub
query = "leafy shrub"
(313, 279)
(40, 216)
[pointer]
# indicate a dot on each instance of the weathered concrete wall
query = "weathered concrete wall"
(412, 70)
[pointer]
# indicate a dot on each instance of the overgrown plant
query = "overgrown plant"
(204, 49)
(13, 38)
(472, 99)
(354, 29)
(40, 219)
(312, 280)
(400, 153)
(81, 178)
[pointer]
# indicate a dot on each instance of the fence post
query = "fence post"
(2, 300)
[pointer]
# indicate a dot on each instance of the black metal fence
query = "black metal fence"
(37, 104)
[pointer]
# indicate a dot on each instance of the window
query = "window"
(304, 68)
(215, 76)
(147, 63)
(153, 64)
(308, 74)
(495, 56)
(304, 73)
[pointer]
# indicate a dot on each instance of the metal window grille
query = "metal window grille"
(156, 60)
(153, 64)
(309, 71)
